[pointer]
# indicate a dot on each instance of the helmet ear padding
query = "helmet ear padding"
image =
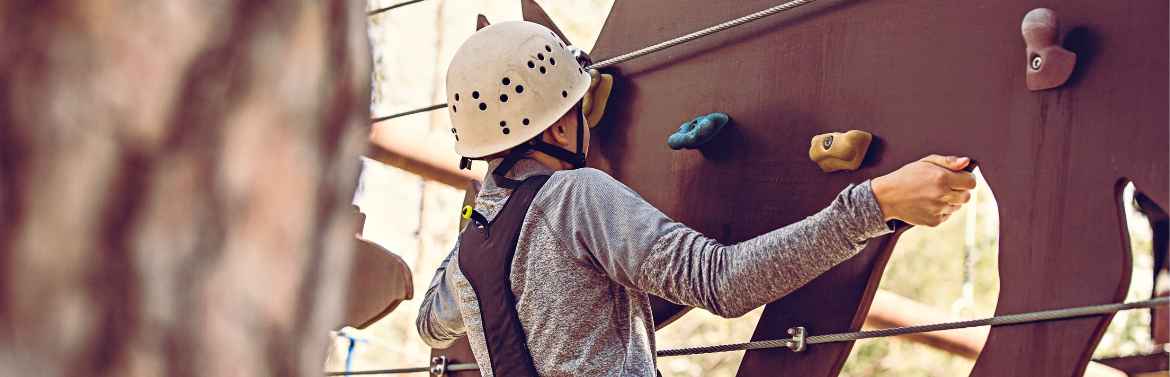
(593, 104)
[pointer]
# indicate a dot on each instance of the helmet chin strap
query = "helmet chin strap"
(575, 159)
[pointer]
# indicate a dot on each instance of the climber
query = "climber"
(574, 253)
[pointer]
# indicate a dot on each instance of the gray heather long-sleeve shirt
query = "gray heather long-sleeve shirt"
(591, 249)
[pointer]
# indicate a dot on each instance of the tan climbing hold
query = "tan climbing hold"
(593, 105)
(839, 150)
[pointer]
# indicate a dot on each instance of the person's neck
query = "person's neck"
(551, 162)
(523, 168)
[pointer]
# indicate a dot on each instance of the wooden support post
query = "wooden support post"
(175, 184)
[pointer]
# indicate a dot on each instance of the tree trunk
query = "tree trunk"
(175, 180)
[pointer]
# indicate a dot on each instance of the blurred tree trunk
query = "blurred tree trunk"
(175, 180)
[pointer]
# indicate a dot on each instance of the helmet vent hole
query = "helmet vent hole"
(519, 89)
(503, 98)
(540, 56)
(454, 109)
(505, 131)
(542, 70)
(452, 130)
(503, 123)
(482, 106)
(506, 81)
(531, 65)
(475, 94)
(547, 48)
(456, 96)
(564, 94)
(525, 121)
(552, 61)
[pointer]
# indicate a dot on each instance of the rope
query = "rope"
(756, 345)
(415, 111)
(699, 34)
(1010, 319)
(380, 371)
(427, 369)
(793, 4)
(375, 12)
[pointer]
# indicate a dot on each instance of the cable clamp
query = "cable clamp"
(797, 342)
(438, 366)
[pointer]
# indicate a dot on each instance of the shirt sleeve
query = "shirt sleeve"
(610, 226)
(439, 321)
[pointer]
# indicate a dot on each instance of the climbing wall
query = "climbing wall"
(923, 77)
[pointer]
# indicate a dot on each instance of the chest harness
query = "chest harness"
(486, 250)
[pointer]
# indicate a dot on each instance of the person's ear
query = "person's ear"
(559, 134)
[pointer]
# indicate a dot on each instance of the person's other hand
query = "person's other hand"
(925, 192)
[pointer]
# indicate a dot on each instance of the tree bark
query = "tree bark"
(175, 184)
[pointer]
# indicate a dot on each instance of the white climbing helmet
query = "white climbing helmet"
(508, 83)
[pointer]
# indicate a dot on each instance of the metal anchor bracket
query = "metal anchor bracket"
(438, 366)
(797, 342)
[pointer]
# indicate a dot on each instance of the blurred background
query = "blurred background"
(951, 269)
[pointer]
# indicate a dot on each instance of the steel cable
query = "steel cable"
(1009, 319)
(793, 4)
(378, 11)
(1003, 320)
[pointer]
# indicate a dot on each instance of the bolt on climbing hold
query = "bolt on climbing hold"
(1049, 64)
(839, 151)
(697, 131)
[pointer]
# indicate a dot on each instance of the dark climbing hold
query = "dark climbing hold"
(698, 131)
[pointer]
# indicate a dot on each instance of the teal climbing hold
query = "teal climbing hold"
(697, 131)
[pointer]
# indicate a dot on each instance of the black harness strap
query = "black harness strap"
(485, 257)
(576, 159)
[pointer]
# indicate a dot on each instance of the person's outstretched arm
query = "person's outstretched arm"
(601, 221)
(604, 222)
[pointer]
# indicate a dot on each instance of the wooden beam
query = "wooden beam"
(892, 310)
(430, 156)
(1138, 365)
